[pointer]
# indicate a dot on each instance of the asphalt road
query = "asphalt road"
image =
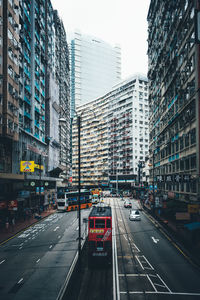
(35, 263)
(153, 266)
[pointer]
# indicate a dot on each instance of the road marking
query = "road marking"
(164, 283)
(132, 275)
(139, 262)
(152, 283)
(57, 228)
(2, 261)
(38, 260)
(145, 261)
(20, 248)
(161, 293)
(148, 262)
(154, 239)
(125, 238)
(50, 246)
(20, 281)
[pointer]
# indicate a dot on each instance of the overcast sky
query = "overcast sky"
(122, 22)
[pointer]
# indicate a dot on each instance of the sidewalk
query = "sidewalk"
(21, 225)
(178, 235)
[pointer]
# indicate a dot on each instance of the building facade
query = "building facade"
(128, 131)
(93, 144)
(115, 137)
(30, 109)
(95, 68)
(174, 100)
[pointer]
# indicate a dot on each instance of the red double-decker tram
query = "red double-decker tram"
(100, 234)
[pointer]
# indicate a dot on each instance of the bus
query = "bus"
(68, 201)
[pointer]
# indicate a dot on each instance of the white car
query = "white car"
(134, 215)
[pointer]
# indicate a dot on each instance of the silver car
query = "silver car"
(134, 215)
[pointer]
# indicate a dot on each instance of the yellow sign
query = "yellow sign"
(27, 166)
(193, 208)
(39, 166)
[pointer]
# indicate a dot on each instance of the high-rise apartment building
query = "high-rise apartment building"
(63, 81)
(174, 101)
(114, 135)
(95, 68)
(93, 143)
(35, 94)
(128, 131)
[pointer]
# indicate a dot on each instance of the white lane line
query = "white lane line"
(162, 293)
(57, 228)
(139, 262)
(125, 238)
(20, 281)
(132, 275)
(1, 262)
(38, 260)
(20, 248)
(155, 240)
(152, 284)
(164, 283)
(148, 263)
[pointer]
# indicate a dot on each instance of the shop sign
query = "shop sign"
(193, 208)
(40, 167)
(24, 194)
(26, 166)
(177, 178)
(182, 216)
(159, 178)
(168, 178)
(171, 195)
(165, 197)
(186, 178)
(12, 205)
(38, 190)
(3, 204)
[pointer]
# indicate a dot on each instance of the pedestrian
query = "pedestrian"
(7, 224)
(13, 223)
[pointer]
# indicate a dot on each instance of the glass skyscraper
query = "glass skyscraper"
(95, 68)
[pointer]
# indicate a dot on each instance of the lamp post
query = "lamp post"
(79, 189)
(153, 186)
(79, 118)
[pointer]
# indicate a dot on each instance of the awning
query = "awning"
(56, 172)
(192, 226)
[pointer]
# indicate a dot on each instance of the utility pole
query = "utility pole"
(40, 181)
(153, 187)
(79, 190)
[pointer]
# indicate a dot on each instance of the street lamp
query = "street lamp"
(79, 117)
(153, 183)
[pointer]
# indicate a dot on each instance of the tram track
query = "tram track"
(128, 260)
(91, 282)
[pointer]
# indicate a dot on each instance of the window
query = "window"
(91, 223)
(181, 143)
(193, 136)
(108, 223)
(100, 223)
